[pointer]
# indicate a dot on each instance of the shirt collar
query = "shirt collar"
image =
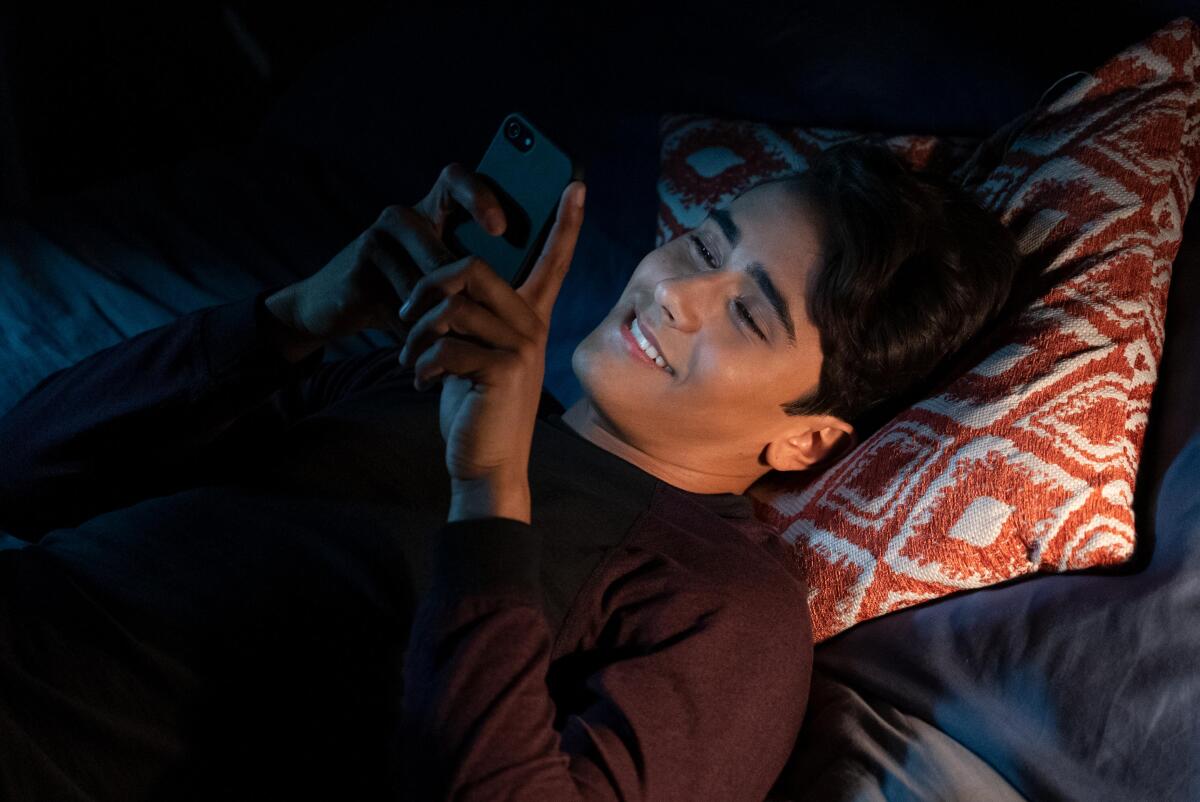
(726, 505)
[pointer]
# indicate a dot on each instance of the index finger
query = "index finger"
(541, 288)
(456, 186)
(415, 234)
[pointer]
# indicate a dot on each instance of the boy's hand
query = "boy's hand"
(363, 286)
(492, 371)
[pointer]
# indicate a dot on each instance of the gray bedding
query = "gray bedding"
(81, 272)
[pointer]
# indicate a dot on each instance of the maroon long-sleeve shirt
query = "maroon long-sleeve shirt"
(241, 583)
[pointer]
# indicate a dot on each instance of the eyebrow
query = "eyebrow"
(777, 301)
(724, 219)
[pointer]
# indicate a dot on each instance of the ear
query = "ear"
(822, 438)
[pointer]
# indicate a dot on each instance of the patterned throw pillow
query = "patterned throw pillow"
(1026, 462)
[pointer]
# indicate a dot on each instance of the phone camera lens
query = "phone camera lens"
(518, 135)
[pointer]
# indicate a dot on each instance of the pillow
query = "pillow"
(1025, 462)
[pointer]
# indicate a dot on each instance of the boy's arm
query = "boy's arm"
(699, 696)
(127, 421)
(134, 419)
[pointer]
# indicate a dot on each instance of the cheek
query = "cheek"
(665, 261)
(602, 350)
(726, 357)
(742, 377)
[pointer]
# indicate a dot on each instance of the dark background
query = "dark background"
(89, 92)
(93, 91)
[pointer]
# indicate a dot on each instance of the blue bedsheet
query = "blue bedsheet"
(83, 272)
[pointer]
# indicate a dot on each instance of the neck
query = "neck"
(587, 421)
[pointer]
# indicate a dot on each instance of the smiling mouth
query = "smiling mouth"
(633, 334)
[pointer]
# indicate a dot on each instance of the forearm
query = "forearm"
(697, 692)
(131, 419)
(283, 329)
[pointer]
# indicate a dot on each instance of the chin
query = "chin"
(587, 365)
(579, 366)
(615, 382)
(600, 377)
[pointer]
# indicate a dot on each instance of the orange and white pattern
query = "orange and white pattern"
(1027, 462)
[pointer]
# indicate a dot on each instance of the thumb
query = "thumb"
(541, 288)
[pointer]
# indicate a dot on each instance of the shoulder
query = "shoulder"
(734, 628)
(744, 554)
(711, 566)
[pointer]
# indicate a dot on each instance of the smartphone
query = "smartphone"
(528, 173)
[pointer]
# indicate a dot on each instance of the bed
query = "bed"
(1078, 686)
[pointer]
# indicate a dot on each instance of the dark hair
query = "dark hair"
(912, 269)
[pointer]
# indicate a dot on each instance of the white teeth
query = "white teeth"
(637, 333)
(650, 350)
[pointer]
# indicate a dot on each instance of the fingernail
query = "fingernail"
(495, 222)
(579, 193)
(407, 305)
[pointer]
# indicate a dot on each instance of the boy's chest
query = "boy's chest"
(386, 462)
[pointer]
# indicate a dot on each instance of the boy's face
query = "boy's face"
(725, 384)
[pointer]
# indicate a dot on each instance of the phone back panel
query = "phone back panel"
(528, 184)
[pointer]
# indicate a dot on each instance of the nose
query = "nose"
(687, 301)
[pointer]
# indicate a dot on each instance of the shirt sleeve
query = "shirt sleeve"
(134, 419)
(698, 695)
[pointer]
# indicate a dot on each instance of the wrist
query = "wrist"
(283, 328)
(490, 498)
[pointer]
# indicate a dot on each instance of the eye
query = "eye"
(745, 313)
(705, 253)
